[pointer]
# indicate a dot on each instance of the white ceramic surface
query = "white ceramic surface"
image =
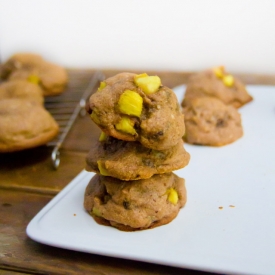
(237, 239)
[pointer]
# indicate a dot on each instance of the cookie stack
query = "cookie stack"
(24, 122)
(139, 147)
(210, 108)
(51, 77)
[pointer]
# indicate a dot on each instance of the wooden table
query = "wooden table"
(28, 182)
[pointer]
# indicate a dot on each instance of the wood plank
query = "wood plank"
(174, 78)
(12, 272)
(18, 252)
(32, 170)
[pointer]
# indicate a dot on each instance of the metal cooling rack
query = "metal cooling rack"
(65, 109)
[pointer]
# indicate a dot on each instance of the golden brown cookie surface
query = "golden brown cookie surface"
(218, 84)
(209, 121)
(135, 205)
(24, 124)
(21, 89)
(125, 111)
(51, 77)
(128, 160)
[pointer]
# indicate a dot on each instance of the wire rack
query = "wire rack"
(65, 109)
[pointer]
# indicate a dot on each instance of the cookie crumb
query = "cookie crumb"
(232, 206)
(220, 207)
(74, 214)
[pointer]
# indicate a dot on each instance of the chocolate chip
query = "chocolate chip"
(157, 135)
(87, 108)
(126, 205)
(220, 123)
(148, 162)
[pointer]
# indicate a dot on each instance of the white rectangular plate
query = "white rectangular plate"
(227, 225)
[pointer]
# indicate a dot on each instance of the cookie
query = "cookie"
(209, 121)
(51, 77)
(21, 89)
(218, 84)
(128, 160)
(134, 107)
(24, 124)
(135, 205)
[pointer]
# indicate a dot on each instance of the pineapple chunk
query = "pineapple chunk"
(172, 196)
(130, 103)
(94, 117)
(102, 136)
(219, 72)
(102, 85)
(126, 125)
(228, 80)
(149, 84)
(33, 79)
(103, 171)
(96, 212)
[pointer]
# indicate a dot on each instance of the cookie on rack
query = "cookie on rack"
(209, 121)
(21, 89)
(24, 124)
(128, 160)
(219, 84)
(135, 205)
(51, 77)
(139, 108)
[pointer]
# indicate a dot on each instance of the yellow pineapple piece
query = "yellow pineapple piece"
(103, 171)
(219, 72)
(228, 80)
(94, 117)
(103, 136)
(149, 84)
(33, 79)
(130, 103)
(96, 212)
(126, 125)
(172, 196)
(102, 85)
(141, 75)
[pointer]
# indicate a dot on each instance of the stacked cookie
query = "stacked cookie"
(24, 122)
(52, 78)
(210, 108)
(140, 145)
